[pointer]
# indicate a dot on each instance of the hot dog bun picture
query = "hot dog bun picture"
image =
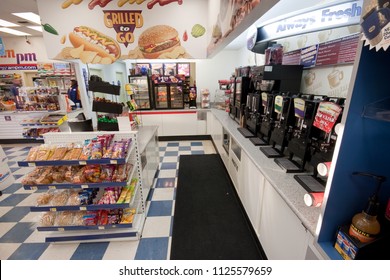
(95, 41)
(158, 39)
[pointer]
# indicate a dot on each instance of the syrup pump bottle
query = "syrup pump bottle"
(365, 226)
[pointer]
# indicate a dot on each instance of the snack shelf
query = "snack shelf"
(78, 162)
(104, 87)
(62, 186)
(86, 232)
(74, 186)
(92, 207)
(113, 233)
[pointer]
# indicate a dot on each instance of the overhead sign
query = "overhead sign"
(326, 18)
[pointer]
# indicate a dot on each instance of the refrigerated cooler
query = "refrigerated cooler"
(168, 92)
(141, 87)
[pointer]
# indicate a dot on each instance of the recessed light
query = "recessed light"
(36, 27)
(13, 31)
(29, 16)
(5, 23)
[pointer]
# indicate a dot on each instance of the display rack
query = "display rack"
(111, 108)
(205, 99)
(93, 232)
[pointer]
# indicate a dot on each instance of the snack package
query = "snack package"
(102, 217)
(79, 176)
(44, 152)
(96, 149)
(107, 173)
(32, 154)
(87, 150)
(59, 174)
(60, 198)
(46, 177)
(45, 198)
(64, 218)
(127, 216)
(74, 198)
(92, 173)
(48, 219)
(74, 153)
(59, 152)
(78, 219)
(90, 218)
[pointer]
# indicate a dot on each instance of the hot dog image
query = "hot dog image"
(158, 39)
(95, 41)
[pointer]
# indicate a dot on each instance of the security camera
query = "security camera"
(28, 41)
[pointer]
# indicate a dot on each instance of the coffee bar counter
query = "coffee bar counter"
(284, 184)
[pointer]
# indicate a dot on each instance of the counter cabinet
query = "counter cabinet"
(283, 226)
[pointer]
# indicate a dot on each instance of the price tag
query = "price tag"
(34, 188)
(100, 227)
(61, 229)
(84, 186)
(53, 209)
(52, 187)
(113, 161)
(31, 164)
(83, 162)
(83, 208)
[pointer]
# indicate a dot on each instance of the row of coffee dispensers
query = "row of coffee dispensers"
(298, 130)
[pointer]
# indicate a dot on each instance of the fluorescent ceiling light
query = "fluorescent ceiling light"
(35, 27)
(5, 23)
(29, 16)
(13, 31)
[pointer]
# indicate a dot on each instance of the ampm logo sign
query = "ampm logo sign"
(24, 61)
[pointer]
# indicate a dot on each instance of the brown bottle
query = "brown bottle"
(365, 226)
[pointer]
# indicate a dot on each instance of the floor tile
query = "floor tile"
(59, 251)
(157, 227)
(163, 194)
(170, 159)
(15, 214)
(167, 173)
(173, 144)
(171, 153)
(29, 251)
(165, 182)
(90, 251)
(196, 143)
(12, 188)
(4, 228)
(168, 165)
(4, 210)
(7, 249)
(13, 199)
(185, 148)
(197, 152)
(160, 208)
(18, 233)
(121, 250)
(152, 249)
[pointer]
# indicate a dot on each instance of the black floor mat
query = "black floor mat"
(209, 222)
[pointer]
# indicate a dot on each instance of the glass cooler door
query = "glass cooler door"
(176, 97)
(161, 96)
(140, 85)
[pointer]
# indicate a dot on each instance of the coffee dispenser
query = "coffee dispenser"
(322, 144)
(268, 118)
(284, 120)
(268, 79)
(252, 113)
(305, 108)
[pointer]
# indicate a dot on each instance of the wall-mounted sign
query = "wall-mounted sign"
(326, 18)
(2, 47)
(117, 29)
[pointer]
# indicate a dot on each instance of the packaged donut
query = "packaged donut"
(59, 152)
(32, 154)
(64, 218)
(48, 219)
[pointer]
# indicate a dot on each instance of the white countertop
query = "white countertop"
(284, 183)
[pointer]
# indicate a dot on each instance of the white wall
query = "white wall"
(209, 71)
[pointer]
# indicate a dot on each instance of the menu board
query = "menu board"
(183, 69)
(338, 51)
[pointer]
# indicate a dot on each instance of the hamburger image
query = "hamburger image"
(157, 40)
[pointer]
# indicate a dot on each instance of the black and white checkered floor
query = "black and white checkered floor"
(20, 241)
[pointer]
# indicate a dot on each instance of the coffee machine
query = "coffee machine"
(242, 87)
(267, 118)
(268, 79)
(252, 115)
(322, 143)
(305, 108)
(283, 122)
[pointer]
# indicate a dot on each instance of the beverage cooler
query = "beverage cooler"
(168, 92)
(141, 87)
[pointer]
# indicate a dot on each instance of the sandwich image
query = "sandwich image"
(157, 40)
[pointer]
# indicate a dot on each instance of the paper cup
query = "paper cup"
(323, 168)
(313, 199)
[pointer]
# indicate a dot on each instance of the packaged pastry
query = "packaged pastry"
(78, 218)
(74, 198)
(59, 152)
(60, 198)
(74, 153)
(86, 151)
(69, 148)
(79, 177)
(92, 173)
(121, 172)
(46, 177)
(96, 149)
(64, 218)
(71, 172)
(48, 219)
(44, 198)
(32, 154)
(44, 152)
(59, 174)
